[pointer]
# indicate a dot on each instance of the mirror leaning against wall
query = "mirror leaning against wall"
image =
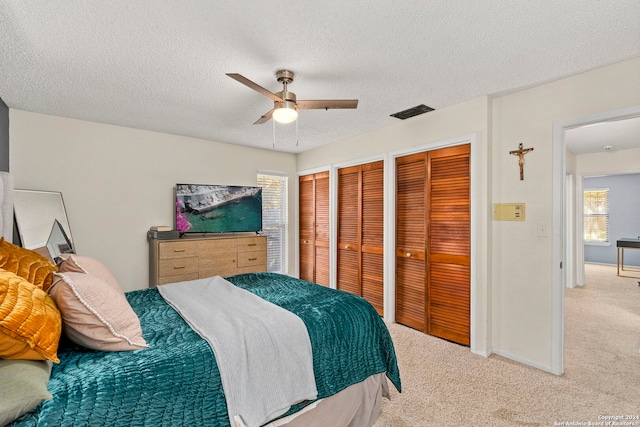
(41, 223)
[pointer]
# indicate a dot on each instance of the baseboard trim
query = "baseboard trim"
(522, 360)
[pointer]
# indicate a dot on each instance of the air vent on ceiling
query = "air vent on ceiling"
(413, 111)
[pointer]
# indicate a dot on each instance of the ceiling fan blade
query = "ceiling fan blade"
(325, 104)
(245, 81)
(265, 117)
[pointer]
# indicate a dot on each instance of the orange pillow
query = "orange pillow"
(27, 264)
(30, 322)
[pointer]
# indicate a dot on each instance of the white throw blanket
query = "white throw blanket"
(263, 351)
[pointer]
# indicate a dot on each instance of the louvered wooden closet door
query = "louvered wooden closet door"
(360, 231)
(433, 241)
(372, 271)
(349, 212)
(314, 227)
(449, 244)
(411, 175)
(322, 229)
(306, 225)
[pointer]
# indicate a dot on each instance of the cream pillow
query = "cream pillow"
(82, 264)
(94, 314)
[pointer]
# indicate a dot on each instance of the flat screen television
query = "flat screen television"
(202, 208)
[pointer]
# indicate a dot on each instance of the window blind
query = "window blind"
(275, 220)
(596, 215)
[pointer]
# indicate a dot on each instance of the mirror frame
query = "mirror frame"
(35, 212)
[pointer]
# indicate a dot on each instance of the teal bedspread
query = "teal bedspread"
(176, 381)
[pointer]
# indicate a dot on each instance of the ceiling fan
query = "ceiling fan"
(285, 106)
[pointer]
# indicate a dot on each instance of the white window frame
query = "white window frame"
(282, 223)
(606, 241)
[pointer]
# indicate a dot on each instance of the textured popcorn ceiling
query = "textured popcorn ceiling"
(160, 65)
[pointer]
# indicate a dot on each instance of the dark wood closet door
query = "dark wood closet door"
(349, 213)
(449, 244)
(411, 175)
(372, 271)
(314, 227)
(360, 231)
(306, 225)
(322, 229)
(433, 241)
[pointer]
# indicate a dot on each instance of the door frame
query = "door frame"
(561, 239)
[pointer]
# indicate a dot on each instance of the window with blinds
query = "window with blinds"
(275, 220)
(596, 215)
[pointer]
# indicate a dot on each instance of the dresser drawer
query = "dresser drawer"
(178, 266)
(217, 248)
(249, 244)
(224, 264)
(249, 259)
(179, 278)
(177, 249)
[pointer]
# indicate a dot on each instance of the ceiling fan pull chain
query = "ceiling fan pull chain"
(274, 134)
(297, 141)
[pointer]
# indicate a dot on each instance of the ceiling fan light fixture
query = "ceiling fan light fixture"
(285, 106)
(285, 112)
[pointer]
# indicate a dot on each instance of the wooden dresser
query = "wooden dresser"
(190, 258)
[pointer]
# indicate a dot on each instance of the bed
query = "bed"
(175, 379)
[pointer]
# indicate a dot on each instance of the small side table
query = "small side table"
(622, 244)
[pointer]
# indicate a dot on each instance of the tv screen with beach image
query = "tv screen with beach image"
(218, 208)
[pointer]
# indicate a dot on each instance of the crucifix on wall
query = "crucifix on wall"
(520, 152)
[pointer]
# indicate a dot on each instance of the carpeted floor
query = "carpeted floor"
(444, 384)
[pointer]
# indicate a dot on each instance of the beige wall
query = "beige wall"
(462, 119)
(117, 182)
(522, 262)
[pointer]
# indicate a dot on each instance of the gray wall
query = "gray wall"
(624, 217)
(4, 136)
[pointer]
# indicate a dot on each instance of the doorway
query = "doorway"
(563, 245)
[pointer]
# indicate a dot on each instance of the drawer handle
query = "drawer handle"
(252, 259)
(178, 267)
(179, 250)
(408, 254)
(252, 244)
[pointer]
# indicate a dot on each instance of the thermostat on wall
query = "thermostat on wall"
(508, 211)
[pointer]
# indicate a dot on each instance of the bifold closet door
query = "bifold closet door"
(433, 241)
(411, 225)
(314, 227)
(360, 231)
(449, 244)
(321, 260)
